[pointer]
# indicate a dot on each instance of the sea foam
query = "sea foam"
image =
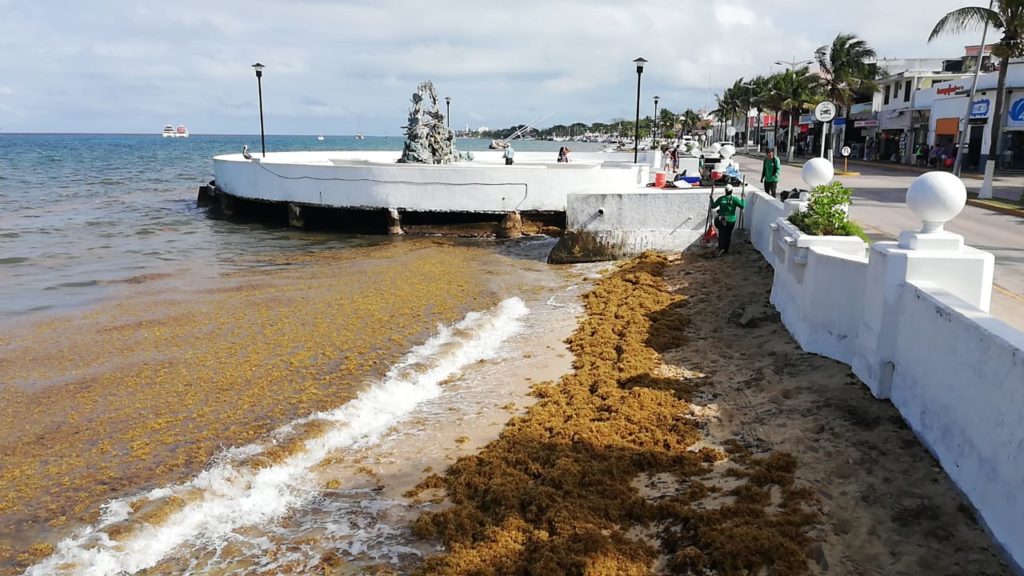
(233, 495)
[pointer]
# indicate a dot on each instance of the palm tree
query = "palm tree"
(772, 100)
(729, 105)
(847, 67)
(690, 119)
(1008, 16)
(723, 109)
(799, 90)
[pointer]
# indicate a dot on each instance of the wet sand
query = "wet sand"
(694, 436)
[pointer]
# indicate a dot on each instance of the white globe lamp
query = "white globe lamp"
(716, 148)
(936, 198)
(727, 151)
(817, 172)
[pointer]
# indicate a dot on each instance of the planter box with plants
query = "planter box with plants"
(823, 223)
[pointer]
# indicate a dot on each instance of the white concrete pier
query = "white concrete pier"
(373, 180)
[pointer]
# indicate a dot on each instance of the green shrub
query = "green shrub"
(854, 229)
(826, 212)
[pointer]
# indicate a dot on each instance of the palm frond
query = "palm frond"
(966, 18)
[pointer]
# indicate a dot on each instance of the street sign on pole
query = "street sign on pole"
(846, 153)
(824, 112)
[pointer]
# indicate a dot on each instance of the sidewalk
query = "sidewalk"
(1007, 187)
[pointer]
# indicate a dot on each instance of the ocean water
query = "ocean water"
(79, 211)
(180, 394)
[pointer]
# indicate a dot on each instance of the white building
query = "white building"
(900, 130)
(896, 120)
(950, 104)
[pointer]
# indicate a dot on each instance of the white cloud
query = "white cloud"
(126, 66)
(736, 15)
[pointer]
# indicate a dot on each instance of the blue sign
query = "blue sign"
(839, 122)
(1017, 110)
(980, 108)
(1015, 116)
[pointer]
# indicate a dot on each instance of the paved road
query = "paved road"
(878, 205)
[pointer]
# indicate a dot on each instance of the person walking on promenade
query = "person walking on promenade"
(563, 154)
(770, 171)
(509, 154)
(725, 221)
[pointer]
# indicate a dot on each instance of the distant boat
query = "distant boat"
(359, 136)
(320, 137)
(172, 132)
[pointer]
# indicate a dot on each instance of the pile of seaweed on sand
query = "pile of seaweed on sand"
(607, 474)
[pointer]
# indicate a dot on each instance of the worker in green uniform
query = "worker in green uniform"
(725, 221)
(770, 171)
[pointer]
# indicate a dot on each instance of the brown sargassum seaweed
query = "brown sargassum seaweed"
(560, 491)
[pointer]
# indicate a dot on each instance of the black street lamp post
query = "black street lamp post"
(636, 128)
(448, 110)
(259, 82)
(654, 138)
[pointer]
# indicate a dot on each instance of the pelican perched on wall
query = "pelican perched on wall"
(245, 152)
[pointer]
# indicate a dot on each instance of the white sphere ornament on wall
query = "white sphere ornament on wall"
(936, 198)
(727, 151)
(817, 172)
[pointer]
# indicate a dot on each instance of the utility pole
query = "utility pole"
(958, 162)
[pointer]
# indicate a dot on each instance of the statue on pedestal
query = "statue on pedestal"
(427, 139)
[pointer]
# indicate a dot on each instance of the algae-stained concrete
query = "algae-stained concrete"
(695, 437)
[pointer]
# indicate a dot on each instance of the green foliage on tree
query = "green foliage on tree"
(670, 125)
(847, 67)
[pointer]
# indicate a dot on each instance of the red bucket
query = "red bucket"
(659, 179)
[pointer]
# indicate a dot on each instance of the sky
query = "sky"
(341, 67)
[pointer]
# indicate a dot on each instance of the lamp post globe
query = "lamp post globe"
(636, 126)
(259, 84)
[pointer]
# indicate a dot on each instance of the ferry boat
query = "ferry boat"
(172, 132)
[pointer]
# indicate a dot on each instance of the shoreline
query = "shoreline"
(144, 390)
(691, 434)
(420, 287)
(747, 454)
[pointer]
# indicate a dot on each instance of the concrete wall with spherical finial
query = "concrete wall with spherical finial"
(936, 198)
